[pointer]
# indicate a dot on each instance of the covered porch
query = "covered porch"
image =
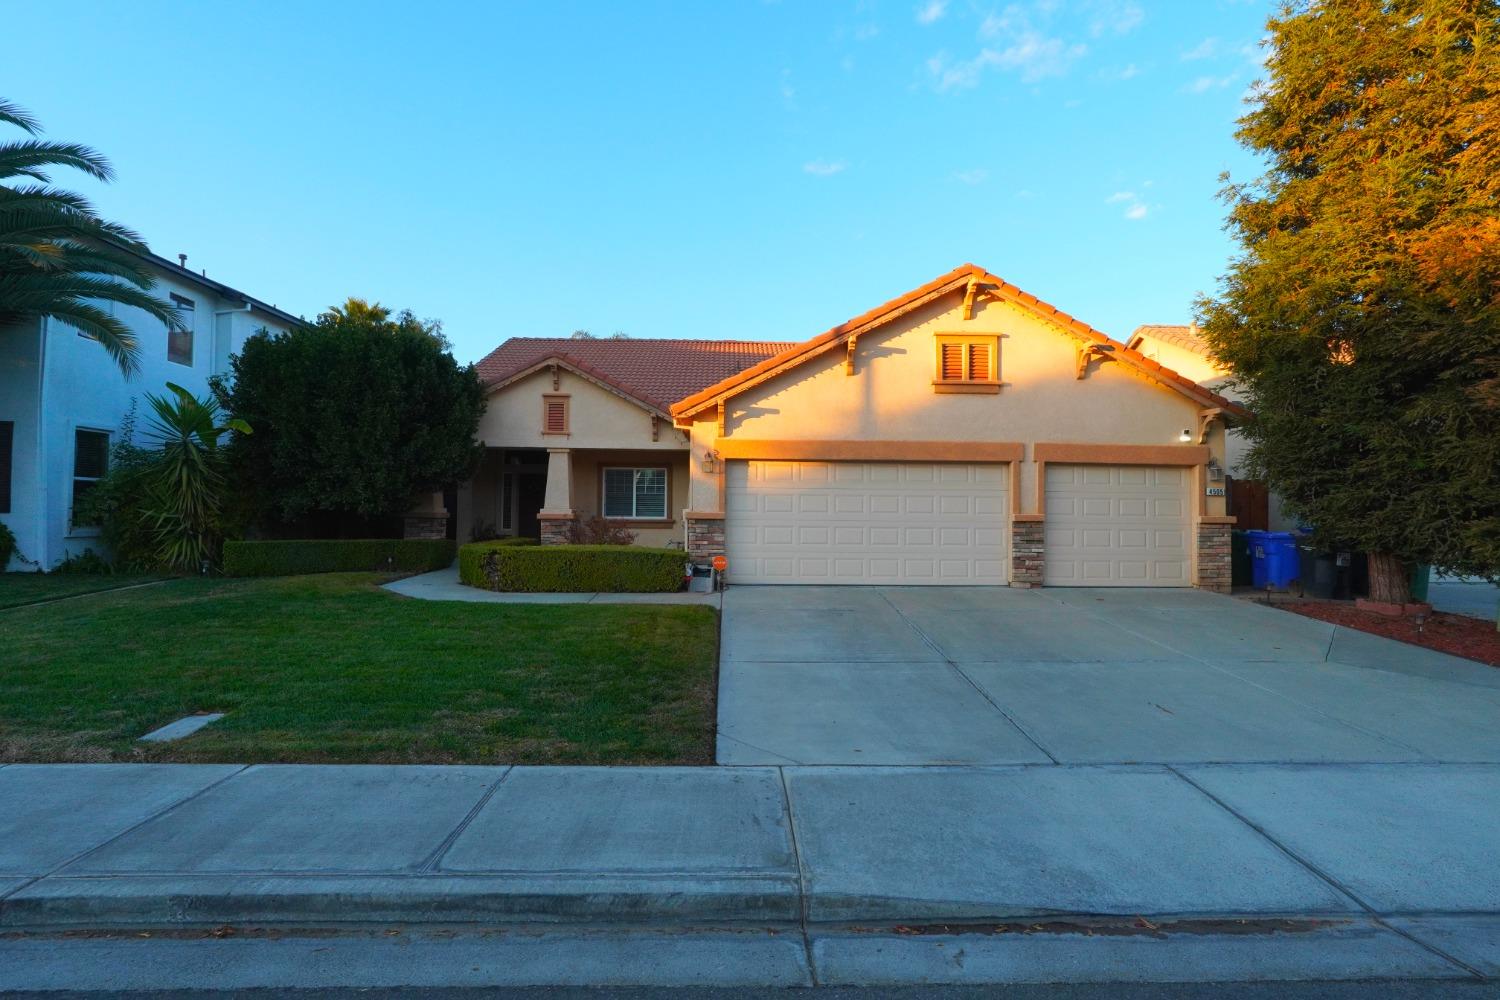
(543, 492)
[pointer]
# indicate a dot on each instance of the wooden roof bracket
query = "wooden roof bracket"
(556, 377)
(721, 418)
(1206, 417)
(849, 347)
(1084, 353)
(655, 427)
(969, 292)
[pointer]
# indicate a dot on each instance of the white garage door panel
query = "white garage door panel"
(867, 522)
(1116, 526)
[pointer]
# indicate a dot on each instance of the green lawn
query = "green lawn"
(29, 588)
(331, 668)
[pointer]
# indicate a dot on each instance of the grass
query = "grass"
(17, 589)
(331, 668)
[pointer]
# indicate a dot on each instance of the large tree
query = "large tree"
(1362, 314)
(354, 415)
(58, 257)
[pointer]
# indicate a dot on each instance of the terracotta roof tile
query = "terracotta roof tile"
(656, 371)
(1186, 337)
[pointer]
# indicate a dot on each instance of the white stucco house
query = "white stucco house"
(62, 400)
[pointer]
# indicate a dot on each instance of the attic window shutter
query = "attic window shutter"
(953, 362)
(979, 362)
(555, 415)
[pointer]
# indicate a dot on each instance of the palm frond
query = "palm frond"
(14, 114)
(115, 337)
(25, 156)
(29, 293)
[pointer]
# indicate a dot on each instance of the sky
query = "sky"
(728, 169)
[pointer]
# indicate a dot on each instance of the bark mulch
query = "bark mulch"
(1460, 635)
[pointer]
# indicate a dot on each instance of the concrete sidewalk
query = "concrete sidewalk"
(443, 585)
(1340, 870)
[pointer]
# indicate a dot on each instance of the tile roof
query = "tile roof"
(1186, 337)
(656, 371)
(945, 284)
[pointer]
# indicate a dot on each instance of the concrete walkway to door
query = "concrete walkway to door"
(970, 675)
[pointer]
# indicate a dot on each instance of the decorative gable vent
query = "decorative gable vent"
(554, 414)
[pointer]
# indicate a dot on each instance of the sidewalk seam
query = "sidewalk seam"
(128, 830)
(802, 900)
(1326, 877)
(430, 863)
(952, 665)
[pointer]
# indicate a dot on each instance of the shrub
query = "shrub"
(597, 531)
(614, 569)
(86, 563)
(471, 557)
(296, 556)
(8, 546)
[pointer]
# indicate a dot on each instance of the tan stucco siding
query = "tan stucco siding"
(1181, 360)
(597, 418)
(891, 398)
(588, 497)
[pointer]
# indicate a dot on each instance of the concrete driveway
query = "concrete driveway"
(925, 676)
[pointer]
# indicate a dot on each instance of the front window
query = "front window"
(635, 493)
(90, 462)
(180, 342)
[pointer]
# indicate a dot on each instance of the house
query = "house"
(62, 400)
(962, 433)
(1183, 349)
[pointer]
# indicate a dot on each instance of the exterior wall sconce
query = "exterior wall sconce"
(710, 461)
(1185, 436)
(1215, 471)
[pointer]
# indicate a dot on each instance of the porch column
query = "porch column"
(428, 518)
(556, 515)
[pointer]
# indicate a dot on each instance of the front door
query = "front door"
(531, 493)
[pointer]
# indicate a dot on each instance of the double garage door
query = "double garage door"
(939, 523)
(867, 522)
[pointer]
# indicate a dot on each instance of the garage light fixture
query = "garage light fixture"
(1185, 436)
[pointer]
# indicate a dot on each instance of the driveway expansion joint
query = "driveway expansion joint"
(434, 860)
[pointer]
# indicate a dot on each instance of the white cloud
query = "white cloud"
(1128, 73)
(824, 168)
(1203, 84)
(1113, 16)
(865, 32)
(976, 175)
(1135, 206)
(1206, 49)
(932, 11)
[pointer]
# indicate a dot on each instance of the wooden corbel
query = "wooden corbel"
(556, 377)
(849, 346)
(1085, 353)
(1205, 420)
(721, 419)
(655, 427)
(969, 294)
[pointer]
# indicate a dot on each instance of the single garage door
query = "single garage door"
(867, 522)
(1116, 526)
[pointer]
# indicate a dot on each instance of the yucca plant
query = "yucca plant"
(185, 491)
(58, 257)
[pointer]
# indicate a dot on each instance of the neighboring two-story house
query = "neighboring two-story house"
(62, 400)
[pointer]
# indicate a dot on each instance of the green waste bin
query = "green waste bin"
(1421, 576)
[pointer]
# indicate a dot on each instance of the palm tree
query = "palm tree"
(58, 258)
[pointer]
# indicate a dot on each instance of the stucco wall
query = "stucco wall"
(890, 397)
(598, 418)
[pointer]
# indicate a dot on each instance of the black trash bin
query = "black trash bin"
(1319, 572)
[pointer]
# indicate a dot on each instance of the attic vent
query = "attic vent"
(554, 414)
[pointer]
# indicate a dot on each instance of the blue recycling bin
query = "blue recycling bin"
(1274, 560)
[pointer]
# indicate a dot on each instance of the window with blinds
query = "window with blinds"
(639, 494)
(554, 414)
(963, 360)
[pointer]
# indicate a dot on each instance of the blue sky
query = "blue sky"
(729, 169)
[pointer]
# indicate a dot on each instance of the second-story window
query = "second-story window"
(180, 342)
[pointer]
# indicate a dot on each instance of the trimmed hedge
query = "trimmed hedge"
(472, 555)
(611, 569)
(295, 556)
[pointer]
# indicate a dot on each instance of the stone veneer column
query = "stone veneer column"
(1027, 558)
(556, 516)
(705, 535)
(427, 520)
(1214, 566)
